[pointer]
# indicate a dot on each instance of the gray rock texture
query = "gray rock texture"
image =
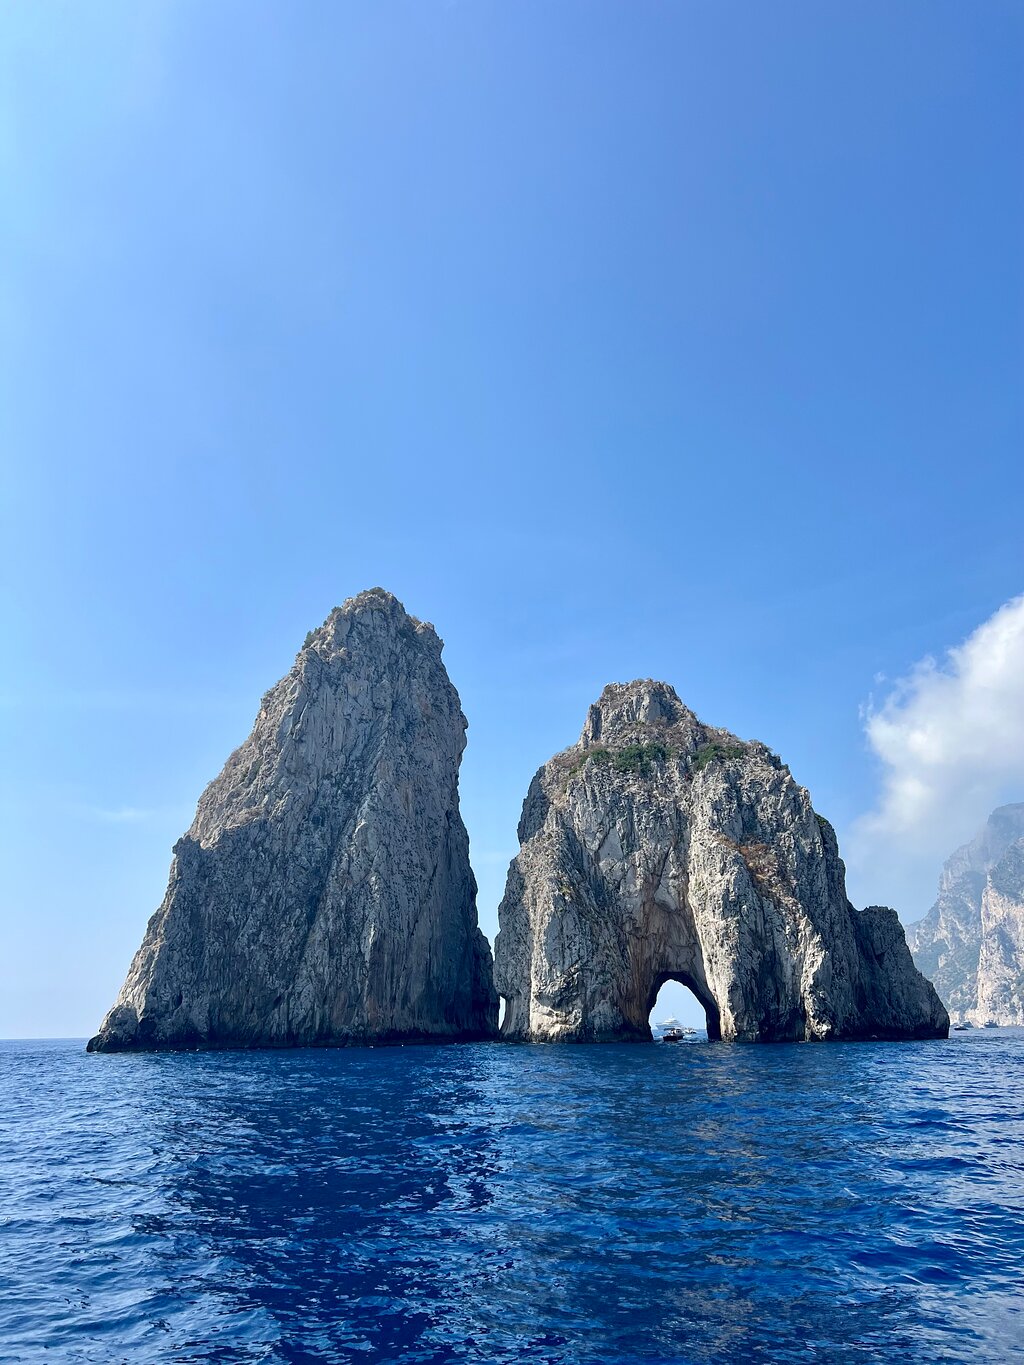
(971, 942)
(659, 848)
(323, 894)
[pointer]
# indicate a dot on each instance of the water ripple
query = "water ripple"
(593, 1206)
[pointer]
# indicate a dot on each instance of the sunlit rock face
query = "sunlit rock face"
(971, 942)
(660, 848)
(323, 894)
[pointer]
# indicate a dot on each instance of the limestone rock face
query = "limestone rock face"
(659, 848)
(971, 942)
(323, 894)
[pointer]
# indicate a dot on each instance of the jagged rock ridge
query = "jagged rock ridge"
(971, 942)
(323, 894)
(660, 848)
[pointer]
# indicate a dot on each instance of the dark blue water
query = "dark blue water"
(859, 1202)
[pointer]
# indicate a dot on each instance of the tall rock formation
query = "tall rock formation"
(323, 894)
(659, 848)
(971, 942)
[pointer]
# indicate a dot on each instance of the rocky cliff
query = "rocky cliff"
(323, 894)
(659, 848)
(971, 942)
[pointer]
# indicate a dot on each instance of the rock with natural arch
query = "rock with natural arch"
(658, 848)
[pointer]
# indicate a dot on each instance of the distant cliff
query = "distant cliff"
(323, 894)
(971, 942)
(658, 848)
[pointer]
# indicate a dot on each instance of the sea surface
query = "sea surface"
(491, 1203)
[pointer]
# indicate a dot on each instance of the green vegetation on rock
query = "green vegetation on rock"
(711, 753)
(633, 758)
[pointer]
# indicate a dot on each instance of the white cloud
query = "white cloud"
(950, 737)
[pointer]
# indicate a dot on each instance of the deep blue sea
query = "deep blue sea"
(492, 1203)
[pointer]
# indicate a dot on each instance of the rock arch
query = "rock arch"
(659, 848)
(701, 994)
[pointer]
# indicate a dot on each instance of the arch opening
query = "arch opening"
(677, 1002)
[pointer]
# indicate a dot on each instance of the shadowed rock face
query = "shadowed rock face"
(659, 848)
(971, 942)
(323, 894)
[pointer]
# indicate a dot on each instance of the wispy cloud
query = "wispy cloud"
(950, 738)
(115, 815)
(176, 816)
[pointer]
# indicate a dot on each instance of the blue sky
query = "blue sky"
(636, 339)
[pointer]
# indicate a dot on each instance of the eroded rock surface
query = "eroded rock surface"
(323, 894)
(659, 848)
(971, 942)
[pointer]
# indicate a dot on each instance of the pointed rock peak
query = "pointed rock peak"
(980, 854)
(625, 710)
(374, 612)
(323, 893)
(371, 599)
(1007, 822)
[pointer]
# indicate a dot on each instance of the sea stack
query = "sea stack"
(971, 942)
(323, 894)
(658, 848)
